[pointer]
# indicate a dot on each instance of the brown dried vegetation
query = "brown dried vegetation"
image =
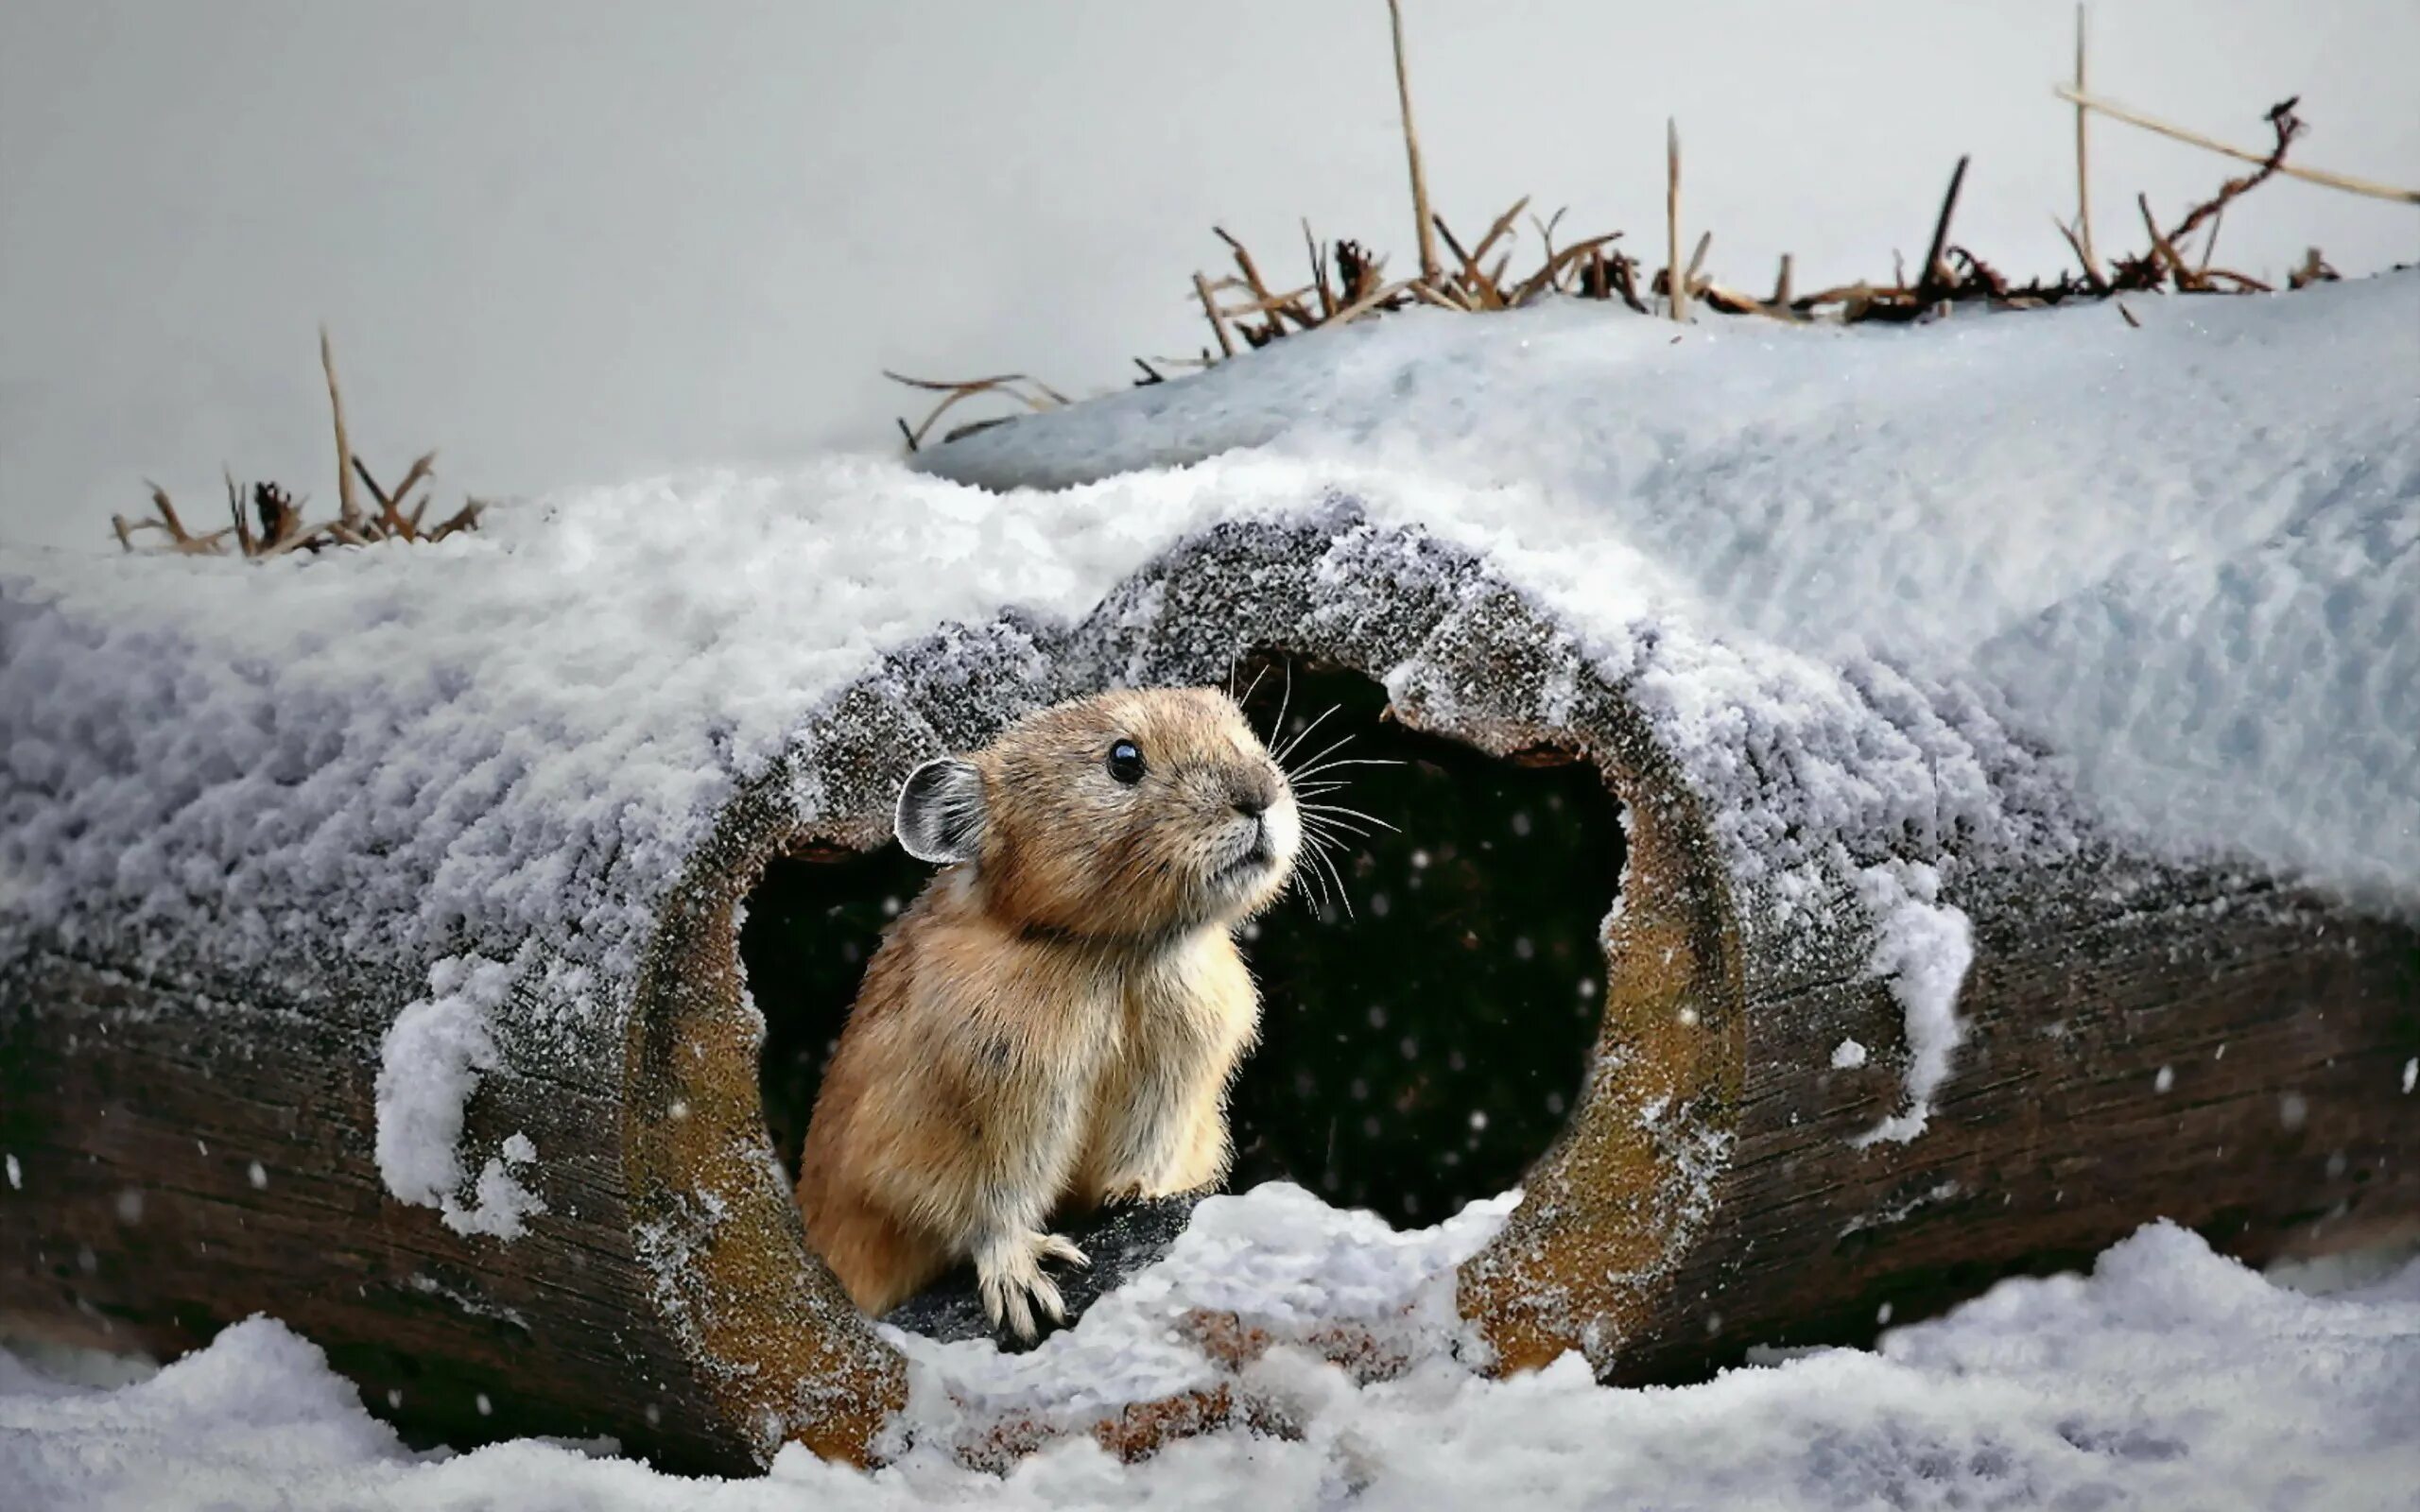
(274, 523)
(1347, 282)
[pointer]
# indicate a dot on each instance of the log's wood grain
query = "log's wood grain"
(189, 1156)
(193, 1148)
(181, 1167)
(2141, 1045)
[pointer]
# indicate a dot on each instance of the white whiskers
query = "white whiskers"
(1328, 827)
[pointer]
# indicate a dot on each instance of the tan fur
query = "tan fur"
(1055, 1022)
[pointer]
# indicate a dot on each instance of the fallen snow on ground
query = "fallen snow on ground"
(1279, 1260)
(2169, 1378)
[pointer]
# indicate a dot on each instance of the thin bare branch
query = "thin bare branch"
(2288, 126)
(2333, 180)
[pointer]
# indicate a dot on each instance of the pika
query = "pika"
(1055, 1020)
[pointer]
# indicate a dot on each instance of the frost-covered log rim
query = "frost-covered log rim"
(1711, 1190)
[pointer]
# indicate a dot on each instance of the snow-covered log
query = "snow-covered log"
(369, 950)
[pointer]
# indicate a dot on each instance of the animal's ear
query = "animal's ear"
(940, 811)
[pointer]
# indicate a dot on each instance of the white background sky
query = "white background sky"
(571, 242)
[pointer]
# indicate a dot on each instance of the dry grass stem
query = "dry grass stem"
(1318, 271)
(265, 520)
(1421, 219)
(1218, 321)
(348, 503)
(1676, 294)
(1384, 294)
(2162, 248)
(1032, 393)
(1348, 280)
(2083, 167)
(1936, 279)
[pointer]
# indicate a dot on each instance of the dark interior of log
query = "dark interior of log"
(1418, 1051)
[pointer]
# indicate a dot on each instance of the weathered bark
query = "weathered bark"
(1707, 1195)
(2141, 1044)
(177, 1170)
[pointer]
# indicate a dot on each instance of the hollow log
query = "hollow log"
(196, 1011)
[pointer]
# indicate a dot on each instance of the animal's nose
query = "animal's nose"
(1251, 806)
(1254, 796)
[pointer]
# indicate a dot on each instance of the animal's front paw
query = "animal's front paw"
(1009, 1273)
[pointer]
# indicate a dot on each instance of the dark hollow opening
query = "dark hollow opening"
(1417, 1053)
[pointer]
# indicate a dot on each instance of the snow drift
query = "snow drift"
(2169, 1377)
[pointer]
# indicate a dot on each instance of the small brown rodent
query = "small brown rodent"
(1055, 1020)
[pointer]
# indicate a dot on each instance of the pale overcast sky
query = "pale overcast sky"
(571, 241)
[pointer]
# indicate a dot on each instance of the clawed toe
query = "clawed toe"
(1013, 1287)
(1005, 1304)
(1064, 1250)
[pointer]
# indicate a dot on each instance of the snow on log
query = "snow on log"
(370, 941)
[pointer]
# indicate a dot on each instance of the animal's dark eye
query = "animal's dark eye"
(1126, 762)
